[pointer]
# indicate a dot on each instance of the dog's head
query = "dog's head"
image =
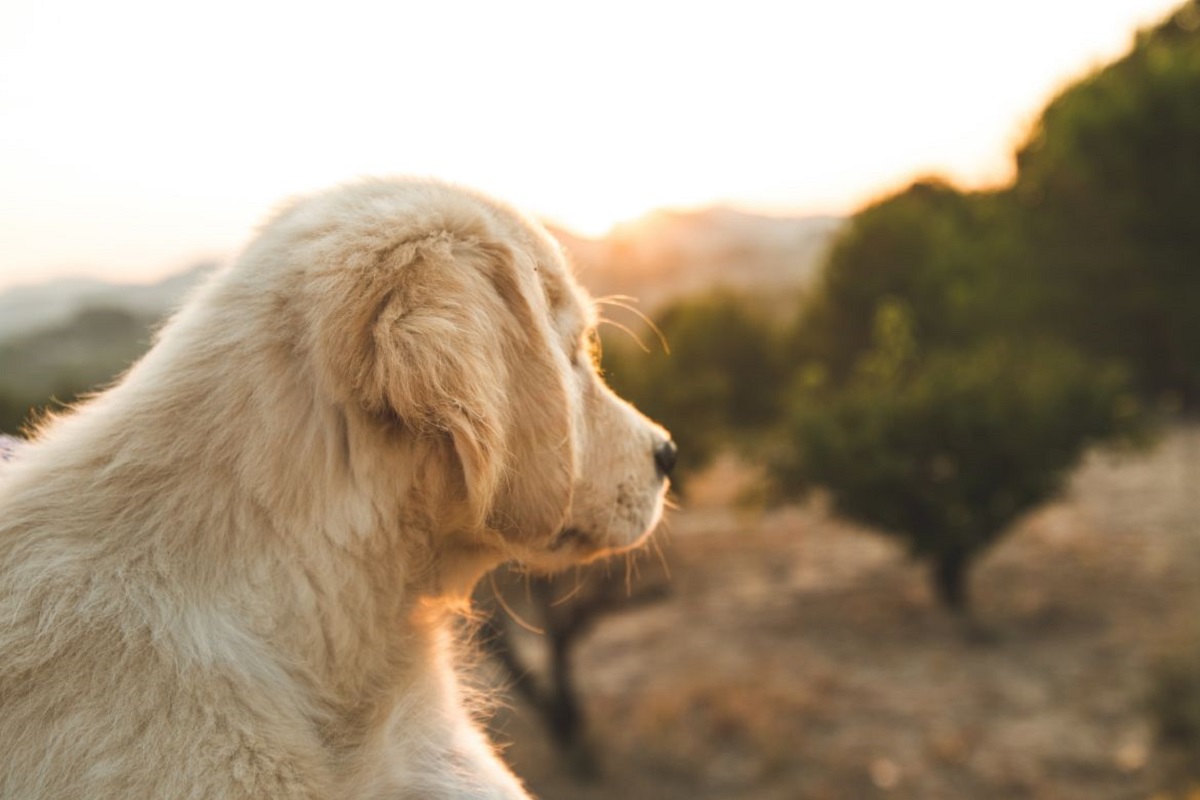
(446, 317)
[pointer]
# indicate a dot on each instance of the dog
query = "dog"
(232, 573)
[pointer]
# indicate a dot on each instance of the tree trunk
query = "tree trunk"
(564, 713)
(555, 699)
(950, 580)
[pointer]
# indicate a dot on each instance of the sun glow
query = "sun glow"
(139, 134)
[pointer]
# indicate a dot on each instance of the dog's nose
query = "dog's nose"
(665, 457)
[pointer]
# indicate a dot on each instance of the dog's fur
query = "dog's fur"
(228, 576)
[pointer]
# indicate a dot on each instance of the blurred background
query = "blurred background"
(915, 286)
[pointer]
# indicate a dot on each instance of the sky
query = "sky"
(140, 136)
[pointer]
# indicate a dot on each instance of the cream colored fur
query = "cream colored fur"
(229, 575)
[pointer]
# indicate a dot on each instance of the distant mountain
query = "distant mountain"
(63, 337)
(67, 358)
(670, 254)
(36, 307)
(658, 258)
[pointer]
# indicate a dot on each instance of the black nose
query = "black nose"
(665, 457)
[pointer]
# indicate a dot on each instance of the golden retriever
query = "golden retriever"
(230, 574)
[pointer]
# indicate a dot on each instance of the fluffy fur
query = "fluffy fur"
(228, 576)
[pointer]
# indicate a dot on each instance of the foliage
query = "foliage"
(929, 401)
(947, 451)
(1095, 242)
(719, 380)
(1108, 185)
(944, 255)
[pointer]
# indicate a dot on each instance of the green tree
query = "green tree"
(1109, 185)
(948, 451)
(945, 255)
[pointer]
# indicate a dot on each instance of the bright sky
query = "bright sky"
(137, 136)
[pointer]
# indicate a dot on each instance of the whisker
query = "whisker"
(608, 568)
(513, 615)
(662, 557)
(664, 530)
(612, 301)
(578, 588)
(626, 329)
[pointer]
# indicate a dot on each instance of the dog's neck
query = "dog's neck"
(349, 571)
(390, 557)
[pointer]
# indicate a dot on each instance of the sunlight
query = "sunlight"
(127, 146)
(593, 218)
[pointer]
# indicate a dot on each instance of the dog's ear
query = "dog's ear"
(459, 344)
(535, 492)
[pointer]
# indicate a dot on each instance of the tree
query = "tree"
(1108, 185)
(946, 255)
(948, 451)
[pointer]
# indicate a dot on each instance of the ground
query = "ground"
(801, 657)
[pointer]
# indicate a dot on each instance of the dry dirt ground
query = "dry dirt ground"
(801, 657)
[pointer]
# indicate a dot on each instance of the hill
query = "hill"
(670, 254)
(655, 259)
(64, 337)
(62, 361)
(24, 309)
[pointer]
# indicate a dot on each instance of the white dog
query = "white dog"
(229, 575)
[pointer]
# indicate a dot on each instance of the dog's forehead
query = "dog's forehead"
(565, 298)
(569, 304)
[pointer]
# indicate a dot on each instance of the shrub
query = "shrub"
(948, 452)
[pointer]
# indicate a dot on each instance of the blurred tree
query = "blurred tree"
(947, 451)
(1109, 187)
(946, 256)
(721, 378)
